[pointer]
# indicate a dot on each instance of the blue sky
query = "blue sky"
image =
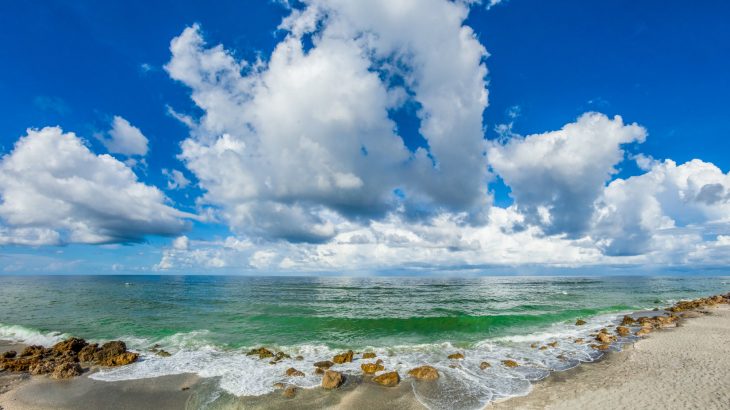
(662, 65)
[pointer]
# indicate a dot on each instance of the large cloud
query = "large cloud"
(295, 146)
(124, 138)
(557, 176)
(53, 190)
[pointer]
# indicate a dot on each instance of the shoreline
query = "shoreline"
(668, 369)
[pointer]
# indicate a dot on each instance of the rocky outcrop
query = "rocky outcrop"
(72, 344)
(332, 379)
(456, 356)
(389, 379)
(627, 321)
(580, 322)
(424, 373)
(510, 363)
(261, 352)
(10, 354)
(87, 353)
(371, 368)
(369, 355)
(604, 337)
(292, 372)
(66, 370)
(345, 357)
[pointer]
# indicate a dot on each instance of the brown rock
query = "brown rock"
(553, 344)
(623, 331)
(510, 363)
(627, 320)
(456, 356)
(163, 353)
(289, 392)
(66, 370)
(643, 332)
(332, 379)
(33, 350)
(120, 360)
(389, 379)
(543, 347)
(294, 372)
(299, 358)
(371, 368)
(424, 373)
(8, 355)
(319, 371)
(42, 367)
(88, 353)
(72, 344)
(484, 365)
(534, 345)
(605, 338)
(580, 322)
(279, 385)
(369, 355)
(261, 352)
(325, 364)
(108, 351)
(579, 340)
(344, 357)
(601, 346)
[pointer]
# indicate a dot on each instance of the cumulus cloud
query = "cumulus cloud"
(54, 190)
(175, 179)
(124, 138)
(299, 146)
(557, 176)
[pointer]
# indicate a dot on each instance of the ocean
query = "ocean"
(209, 322)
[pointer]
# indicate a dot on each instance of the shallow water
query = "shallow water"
(207, 322)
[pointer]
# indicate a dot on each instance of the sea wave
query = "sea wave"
(29, 336)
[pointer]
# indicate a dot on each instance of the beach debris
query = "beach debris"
(389, 379)
(9, 354)
(261, 352)
(580, 322)
(66, 370)
(292, 372)
(371, 368)
(623, 331)
(289, 392)
(456, 356)
(424, 372)
(332, 379)
(369, 355)
(345, 357)
(510, 363)
(324, 364)
(484, 365)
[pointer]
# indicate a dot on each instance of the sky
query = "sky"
(380, 137)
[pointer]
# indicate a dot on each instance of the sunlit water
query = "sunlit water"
(208, 322)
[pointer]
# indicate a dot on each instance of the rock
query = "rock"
(261, 352)
(484, 365)
(643, 332)
(534, 345)
(279, 385)
(580, 322)
(319, 371)
(553, 344)
(108, 351)
(424, 373)
(332, 379)
(627, 320)
(605, 338)
(344, 357)
(325, 364)
(18, 365)
(369, 355)
(66, 371)
(120, 360)
(42, 367)
(33, 350)
(623, 331)
(88, 352)
(509, 363)
(543, 347)
(456, 356)
(389, 379)
(9, 354)
(72, 344)
(371, 368)
(289, 392)
(281, 356)
(292, 372)
(300, 358)
(578, 340)
(163, 353)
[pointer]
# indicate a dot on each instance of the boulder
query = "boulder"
(602, 346)
(456, 356)
(279, 385)
(424, 373)
(484, 365)
(605, 338)
(324, 364)
(33, 350)
(292, 372)
(261, 352)
(623, 331)
(88, 352)
(579, 340)
(319, 371)
(66, 370)
(627, 320)
(332, 379)
(553, 344)
(163, 353)
(643, 332)
(389, 379)
(72, 344)
(510, 363)
(8, 355)
(345, 357)
(120, 359)
(534, 345)
(300, 358)
(42, 367)
(580, 322)
(289, 392)
(371, 368)
(369, 355)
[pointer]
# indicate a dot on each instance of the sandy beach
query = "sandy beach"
(675, 368)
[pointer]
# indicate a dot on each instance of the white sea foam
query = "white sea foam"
(25, 335)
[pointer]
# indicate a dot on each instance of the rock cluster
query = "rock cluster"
(345, 357)
(371, 368)
(62, 361)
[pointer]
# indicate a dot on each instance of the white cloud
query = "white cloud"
(125, 139)
(557, 176)
(175, 179)
(53, 190)
(296, 146)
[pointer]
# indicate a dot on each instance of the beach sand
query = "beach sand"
(677, 368)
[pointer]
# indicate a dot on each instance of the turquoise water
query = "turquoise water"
(203, 319)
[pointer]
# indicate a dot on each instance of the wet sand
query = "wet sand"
(676, 368)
